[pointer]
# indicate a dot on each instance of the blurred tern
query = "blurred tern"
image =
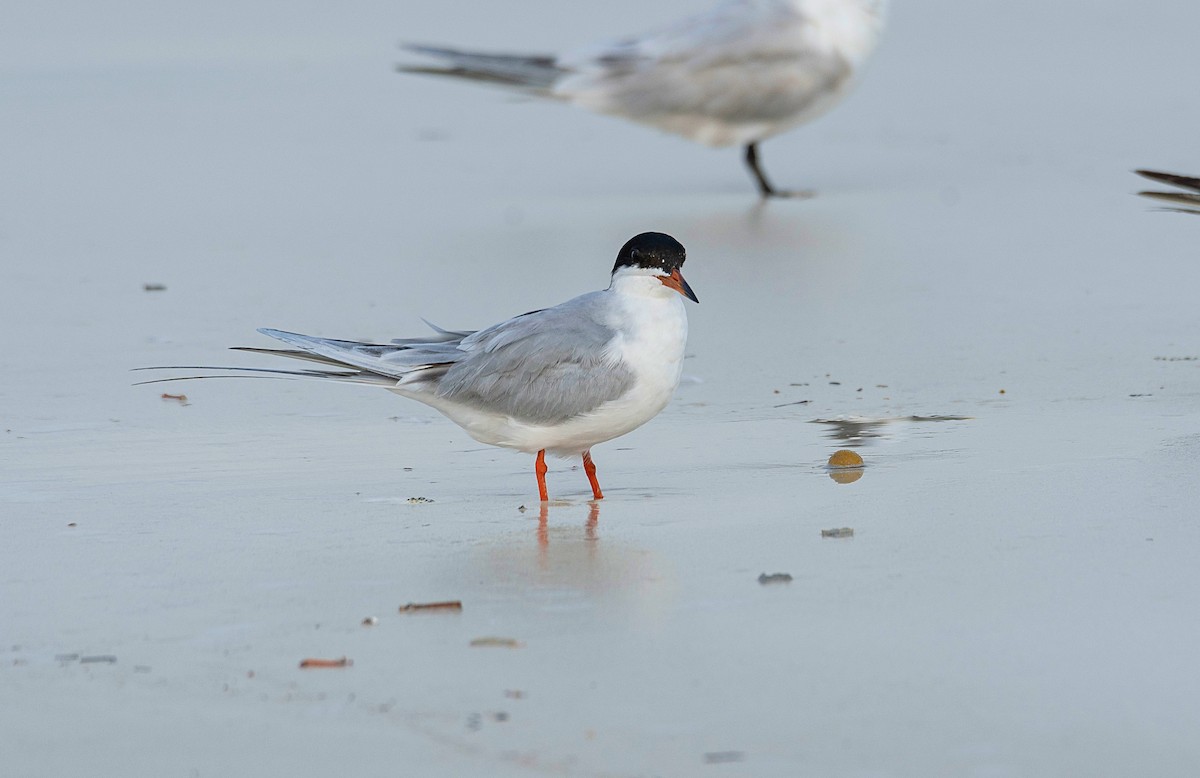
(560, 379)
(743, 72)
(1184, 202)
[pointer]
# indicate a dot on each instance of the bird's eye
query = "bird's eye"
(635, 255)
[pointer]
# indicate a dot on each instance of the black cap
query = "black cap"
(651, 250)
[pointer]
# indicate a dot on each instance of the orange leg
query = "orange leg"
(589, 467)
(540, 468)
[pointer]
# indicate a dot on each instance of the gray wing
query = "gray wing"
(742, 61)
(544, 367)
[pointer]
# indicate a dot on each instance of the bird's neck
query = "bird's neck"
(634, 286)
(650, 317)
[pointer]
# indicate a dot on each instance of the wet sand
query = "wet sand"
(1019, 594)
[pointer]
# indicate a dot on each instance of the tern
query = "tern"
(558, 380)
(743, 72)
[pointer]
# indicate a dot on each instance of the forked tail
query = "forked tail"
(535, 73)
(404, 362)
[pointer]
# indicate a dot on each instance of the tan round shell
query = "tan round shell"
(845, 458)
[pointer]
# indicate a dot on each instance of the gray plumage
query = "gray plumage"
(534, 72)
(557, 381)
(544, 367)
(723, 66)
(736, 75)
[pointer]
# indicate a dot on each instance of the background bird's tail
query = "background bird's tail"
(1189, 202)
(535, 73)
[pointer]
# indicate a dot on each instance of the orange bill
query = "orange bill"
(675, 281)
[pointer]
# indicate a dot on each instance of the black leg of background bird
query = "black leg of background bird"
(764, 186)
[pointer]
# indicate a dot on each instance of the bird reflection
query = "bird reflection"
(589, 528)
(568, 565)
(854, 432)
(859, 431)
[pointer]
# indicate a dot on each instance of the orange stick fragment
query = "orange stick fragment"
(448, 605)
(307, 663)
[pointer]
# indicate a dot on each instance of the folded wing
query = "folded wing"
(543, 368)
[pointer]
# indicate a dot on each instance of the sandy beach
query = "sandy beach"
(976, 302)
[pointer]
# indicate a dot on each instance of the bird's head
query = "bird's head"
(657, 255)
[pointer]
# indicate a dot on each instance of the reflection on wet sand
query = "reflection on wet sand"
(859, 431)
(846, 475)
(571, 565)
(543, 533)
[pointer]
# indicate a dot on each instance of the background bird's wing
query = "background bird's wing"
(728, 63)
